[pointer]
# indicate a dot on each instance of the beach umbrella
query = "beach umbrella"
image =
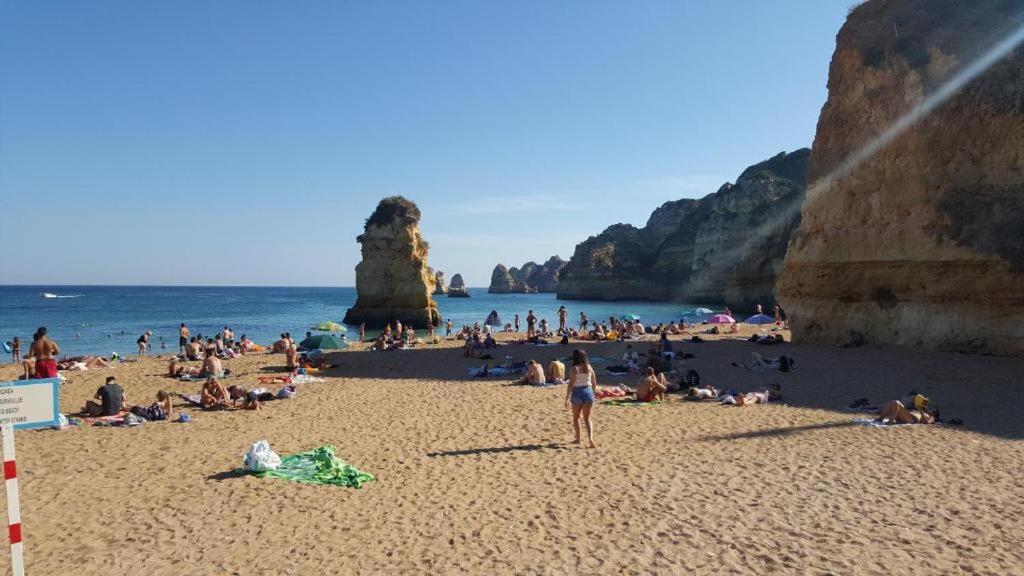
(704, 311)
(493, 319)
(630, 317)
(722, 319)
(759, 319)
(329, 327)
(323, 342)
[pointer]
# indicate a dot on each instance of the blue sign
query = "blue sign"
(27, 404)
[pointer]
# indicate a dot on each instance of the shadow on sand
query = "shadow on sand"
(984, 391)
(498, 450)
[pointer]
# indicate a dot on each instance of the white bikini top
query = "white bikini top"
(582, 379)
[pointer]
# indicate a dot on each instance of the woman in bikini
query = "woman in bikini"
(580, 395)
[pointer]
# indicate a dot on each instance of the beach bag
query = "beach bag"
(61, 422)
(692, 379)
(133, 419)
(286, 392)
(261, 457)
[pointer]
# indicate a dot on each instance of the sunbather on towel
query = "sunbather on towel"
(701, 393)
(780, 364)
(651, 387)
(213, 394)
(895, 413)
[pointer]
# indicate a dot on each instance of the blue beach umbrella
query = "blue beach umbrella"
(759, 319)
(632, 317)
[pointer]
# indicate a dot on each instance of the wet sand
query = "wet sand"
(477, 477)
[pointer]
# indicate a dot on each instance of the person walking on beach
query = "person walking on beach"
(16, 350)
(183, 335)
(143, 342)
(580, 395)
(43, 350)
(362, 332)
(515, 323)
(448, 326)
(583, 321)
(778, 314)
(562, 314)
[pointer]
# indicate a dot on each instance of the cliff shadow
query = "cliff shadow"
(986, 392)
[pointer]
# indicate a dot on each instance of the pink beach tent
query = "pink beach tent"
(722, 319)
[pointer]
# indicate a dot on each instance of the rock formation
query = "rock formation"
(439, 283)
(726, 247)
(528, 279)
(918, 242)
(457, 288)
(393, 281)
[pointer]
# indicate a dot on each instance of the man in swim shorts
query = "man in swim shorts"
(183, 335)
(43, 350)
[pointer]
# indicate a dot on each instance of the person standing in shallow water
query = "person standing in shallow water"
(562, 315)
(580, 395)
(183, 341)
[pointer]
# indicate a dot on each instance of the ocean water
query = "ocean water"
(105, 319)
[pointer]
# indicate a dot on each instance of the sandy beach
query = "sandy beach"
(477, 477)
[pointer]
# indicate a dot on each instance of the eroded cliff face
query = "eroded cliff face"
(922, 243)
(726, 247)
(532, 277)
(393, 280)
(439, 283)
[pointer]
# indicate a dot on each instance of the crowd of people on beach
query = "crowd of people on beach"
(660, 370)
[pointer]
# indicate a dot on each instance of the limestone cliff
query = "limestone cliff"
(457, 288)
(439, 283)
(918, 242)
(393, 280)
(726, 247)
(532, 277)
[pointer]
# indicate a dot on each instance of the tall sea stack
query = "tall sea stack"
(921, 241)
(393, 280)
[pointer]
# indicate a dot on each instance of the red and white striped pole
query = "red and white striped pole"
(13, 503)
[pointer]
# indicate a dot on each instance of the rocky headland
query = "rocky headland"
(530, 278)
(726, 247)
(915, 240)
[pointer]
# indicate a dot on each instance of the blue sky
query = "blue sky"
(208, 142)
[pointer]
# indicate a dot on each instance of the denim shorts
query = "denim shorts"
(582, 395)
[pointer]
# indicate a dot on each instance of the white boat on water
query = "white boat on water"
(47, 295)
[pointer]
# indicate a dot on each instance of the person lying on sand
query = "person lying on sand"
(780, 364)
(250, 398)
(896, 413)
(111, 400)
(702, 393)
(651, 387)
(83, 363)
(280, 346)
(213, 394)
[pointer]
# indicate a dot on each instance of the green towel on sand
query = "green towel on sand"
(629, 403)
(317, 466)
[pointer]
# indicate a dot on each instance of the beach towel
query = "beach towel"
(304, 379)
(193, 399)
(874, 423)
(317, 466)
